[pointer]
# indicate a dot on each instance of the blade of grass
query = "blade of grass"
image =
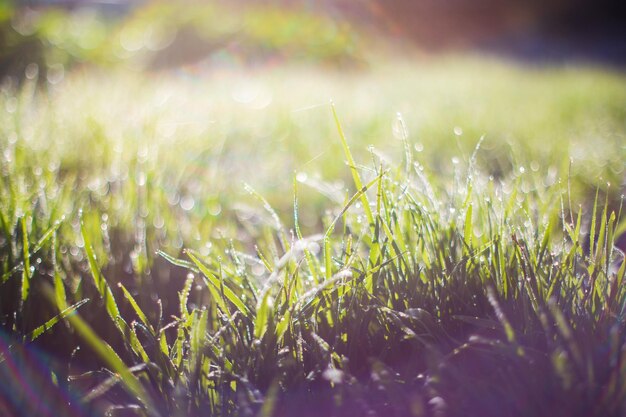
(26, 273)
(54, 320)
(136, 308)
(99, 280)
(213, 281)
(355, 173)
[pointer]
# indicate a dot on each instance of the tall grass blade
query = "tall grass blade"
(136, 308)
(111, 358)
(355, 172)
(218, 285)
(99, 280)
(26, 273)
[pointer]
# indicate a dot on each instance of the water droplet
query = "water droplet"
(132, 39)
(215, 209)
(173, 199)
(31, 71)
(333, 375)
(187, 203)
(302, 177)
(56, 74)
(141, 179)
(458, 131)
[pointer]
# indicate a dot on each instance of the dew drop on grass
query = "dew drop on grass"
(158, 222)
(56, 74)
(458, 131)
(206, 249)
(301, 177)
(522, 170)
(333, 375)
(418, 147)
(32, 70)
(173, 199)
(141, 179)
(215, 209)
(142, 154)
(132, 39)
(455, 160)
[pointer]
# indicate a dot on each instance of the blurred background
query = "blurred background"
(60, 34)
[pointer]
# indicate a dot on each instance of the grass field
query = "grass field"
(442, 240)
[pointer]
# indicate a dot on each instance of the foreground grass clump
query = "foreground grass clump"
(477, 287)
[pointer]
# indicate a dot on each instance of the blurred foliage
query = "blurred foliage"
(195, 31)
(52, 39)
(162, 34)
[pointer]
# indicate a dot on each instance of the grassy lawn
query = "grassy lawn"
(442, 240)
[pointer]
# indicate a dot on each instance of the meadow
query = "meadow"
(421, 236)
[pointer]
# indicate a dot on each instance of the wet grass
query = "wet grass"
(443, 240)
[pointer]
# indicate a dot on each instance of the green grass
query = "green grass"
(440, 242)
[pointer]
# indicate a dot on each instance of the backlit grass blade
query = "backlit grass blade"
(275, 217)
(26, 273)
(47, 235)
(263, 315)
(355, 172)
(130, 337)
(54, 320)
(592, 231)
(218, 285)
(40, 243)
(506, 324)
(198, 337)
(178, 262)
(467, 229)
(59, 287)
(331, 227)
(136, 308)
(111, 358)
(184, 297)
(99, 280)
(311, 262)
